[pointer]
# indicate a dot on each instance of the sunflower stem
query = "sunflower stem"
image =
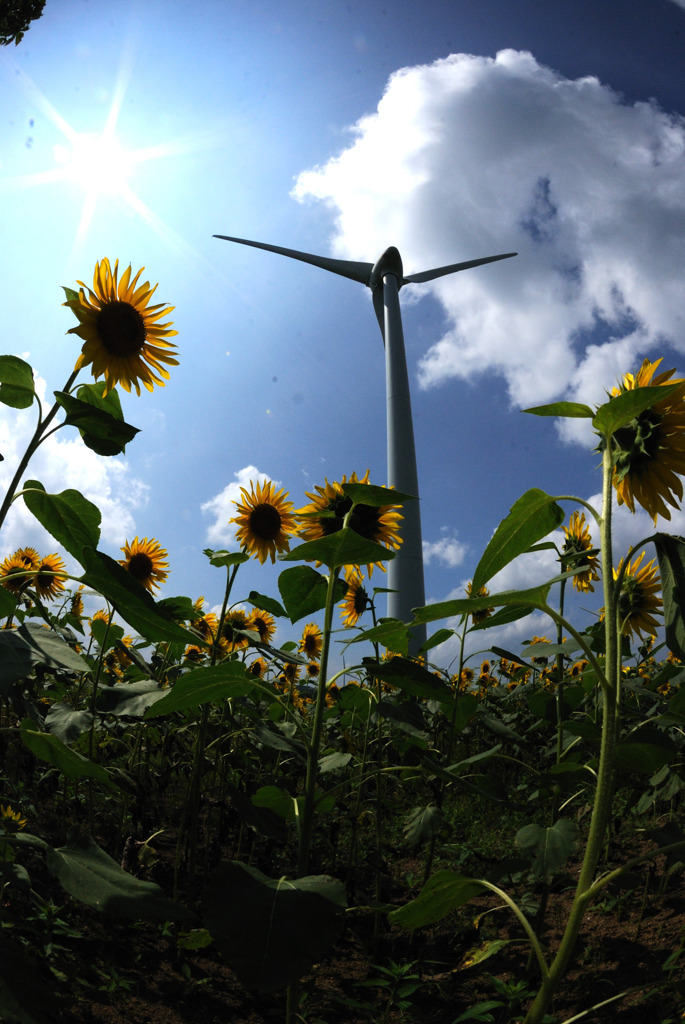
(601, 809)
(33, 445)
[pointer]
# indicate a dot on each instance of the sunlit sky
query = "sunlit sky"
(452, 130)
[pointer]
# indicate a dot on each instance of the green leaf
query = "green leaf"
(371, 494)
(203, 685)
(438, 638)
(422, 824)
(73, 765)
(344, 547)
(95, 417)
(574, 410)
(131, 600)
(548, 848)
(226, 558)
(8, 603)
(671, 555)
(66, 723)
(88, 874)
(304, 590)
(267, 604)
(277, 800)
(644, 757)
(536, 597)
(70, 518)
(623, 408)
(501, 618)
(410, 677)
(30, 645)
(444, 892)
(271, 930)
(132, 699)
(531, 518)
(389, 633)
(16, 382)
(333, 762)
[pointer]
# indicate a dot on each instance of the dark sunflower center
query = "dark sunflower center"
(364, 519)
(265, 522)
(140, 566)
(637, 444)
(360, 600)
(121, 329)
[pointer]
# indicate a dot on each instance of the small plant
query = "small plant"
(399, 981)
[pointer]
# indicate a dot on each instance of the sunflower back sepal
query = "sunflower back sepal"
(620, 410)
(98, 418)
(16, 382)
(670, 553)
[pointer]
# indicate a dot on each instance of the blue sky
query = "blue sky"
(452, 130)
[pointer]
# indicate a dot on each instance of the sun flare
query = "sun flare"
(98, 163)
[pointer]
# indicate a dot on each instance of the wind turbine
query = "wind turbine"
(385, 278)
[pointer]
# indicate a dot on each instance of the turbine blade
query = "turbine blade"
(379, 306)
(430, 275)
(346, 268)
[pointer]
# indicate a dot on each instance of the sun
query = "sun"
(98, 163)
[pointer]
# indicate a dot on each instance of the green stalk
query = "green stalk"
(307, 826)
(33, 445)
(601, 809)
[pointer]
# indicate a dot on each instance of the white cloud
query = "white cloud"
(448, 550)
(222, 506)
(471, 156)
(62, 462)
(680, 3)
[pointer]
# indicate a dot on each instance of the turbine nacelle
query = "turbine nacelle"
(389, 263)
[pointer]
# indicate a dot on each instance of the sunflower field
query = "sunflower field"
(199, 825)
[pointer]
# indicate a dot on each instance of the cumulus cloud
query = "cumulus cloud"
(447, 550)
(471, 156)
(62, 462)
(222, 506)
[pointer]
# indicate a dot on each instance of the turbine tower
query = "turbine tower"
(385, 278)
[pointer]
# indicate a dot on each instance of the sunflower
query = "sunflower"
(10, 819)
(482, 613)
(234, 621)
(76, 603)
(310, 644)
(257, 668)
(576, 547)
(49, 581)
(122, 338)
(356, 599)
(206, 623)
(17, 566)
(100, 615)
(649, 453)
(145, 560)
(262, 623)
(265, 521)
(638, 601)
(380, 525)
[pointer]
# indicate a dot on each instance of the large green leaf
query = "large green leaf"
(131, 600)
(547, 848)
(444, 892)
(532, 517)
(645, 753)
(344, 547)
(372, 494)
(72, 520)
(129, 699)
(304, 590)
(16, 382)
(98, 418)
(410, 677)
(7, 603)
(271, 930)
(536, 597)
(88, 874)
(390, 633)
(73, 765)
(202, 685)
(267, 604)
(422, 824)
(623, 408)
(30, 645)
(66, 722)
(671, 554)
(569, 409)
